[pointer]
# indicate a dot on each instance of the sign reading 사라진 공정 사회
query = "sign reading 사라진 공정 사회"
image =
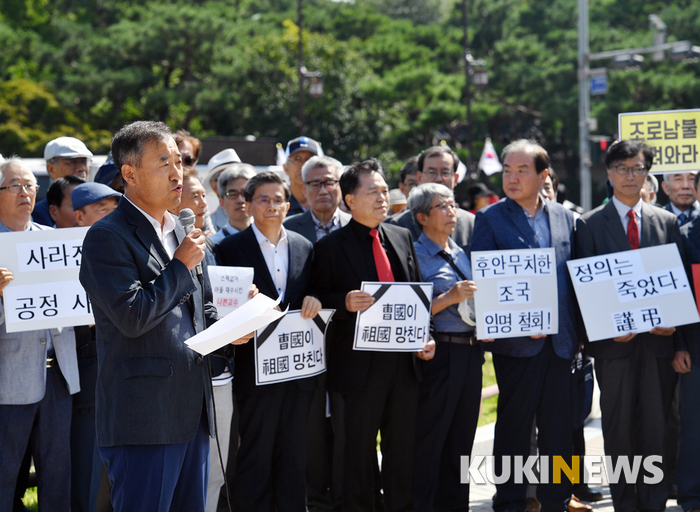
(45, 292)
(672, 134)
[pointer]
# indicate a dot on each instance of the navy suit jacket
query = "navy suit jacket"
(599, 232)
(303, 224)
(243, 250)
(462, 234)
(688, 338)
(339, 268)
(151, 387)
(692, 213)
(503, 225)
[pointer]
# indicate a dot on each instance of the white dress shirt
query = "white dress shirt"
(276, 258)
(622, 210)
(166, 232)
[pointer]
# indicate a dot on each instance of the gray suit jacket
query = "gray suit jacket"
(151, 387)
(600, 232)
(462, 233)
(504, 226)
(303, 224)
(23, 361)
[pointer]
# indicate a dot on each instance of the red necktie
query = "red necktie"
(381, 260)
(633, 230)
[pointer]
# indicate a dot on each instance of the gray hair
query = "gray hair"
(232, 173)
(13, 161)
(421, 198)
(129, 142)
(321, 161)
(539, 155)
(653, 183)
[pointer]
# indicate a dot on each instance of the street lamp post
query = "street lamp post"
(472, 77)
(304, 73)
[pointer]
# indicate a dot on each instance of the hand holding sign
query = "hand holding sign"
(5, 278)
(310, 307)
(358, 300)
(428, 351)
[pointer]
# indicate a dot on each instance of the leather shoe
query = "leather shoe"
(585, 493)
(533, 505)
(576, 506)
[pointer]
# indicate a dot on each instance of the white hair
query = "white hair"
(321, 161)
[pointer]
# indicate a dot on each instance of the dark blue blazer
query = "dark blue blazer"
(688, 338)
(151, 387)
(599, 232)
(462, 234)
(243, 250)
(503, 225)
(303, 224)
(692, 214)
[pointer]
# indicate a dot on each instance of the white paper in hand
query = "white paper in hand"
(251, 316)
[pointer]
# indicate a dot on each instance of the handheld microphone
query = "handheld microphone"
(187, 218)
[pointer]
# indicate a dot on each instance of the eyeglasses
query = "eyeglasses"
(315, 185)
(189, 161)
(31, 188)
(441, 175)
(269, 202)
(637, 170)
(233, 194)
(297, 159)
(445, 206)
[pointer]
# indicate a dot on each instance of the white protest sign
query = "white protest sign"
(632, 291)
(398, 320)
(291, 348)
(516, 293)
(230, 287)
(45, 292)
(251, 316)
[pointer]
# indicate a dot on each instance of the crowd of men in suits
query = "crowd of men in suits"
(150, 405)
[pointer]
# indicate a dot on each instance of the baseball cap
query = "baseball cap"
(107, 171)
(303, 144)
(66, 147)
(90, 193)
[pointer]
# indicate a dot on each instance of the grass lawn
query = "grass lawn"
(30, 500)
(488, 406)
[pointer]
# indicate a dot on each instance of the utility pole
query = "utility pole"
(467, 91)
(584, 108)
(301, 69)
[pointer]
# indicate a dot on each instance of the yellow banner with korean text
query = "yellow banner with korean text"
(673, 134)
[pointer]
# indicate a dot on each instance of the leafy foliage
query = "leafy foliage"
(394, 75)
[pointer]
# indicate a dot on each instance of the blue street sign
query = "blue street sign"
(599, 84)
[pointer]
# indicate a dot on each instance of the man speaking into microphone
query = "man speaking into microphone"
(153, 399)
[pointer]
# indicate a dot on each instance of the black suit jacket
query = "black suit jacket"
(600, 232)
(151, 387)
(339, 268)
(242, 250)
